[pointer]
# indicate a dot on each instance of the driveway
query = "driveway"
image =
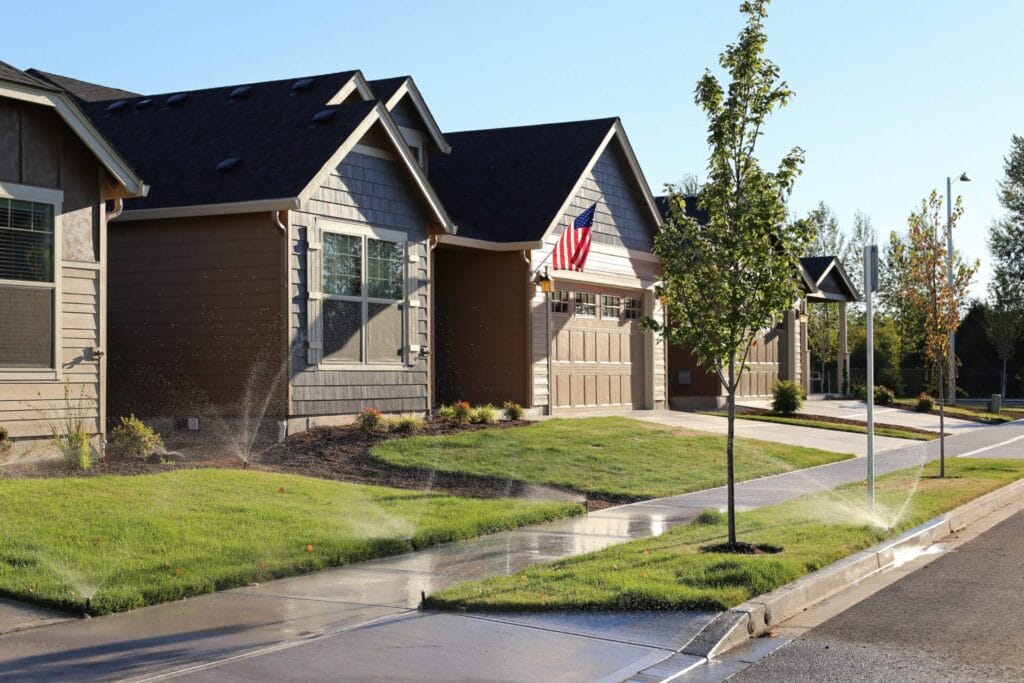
(858, 410)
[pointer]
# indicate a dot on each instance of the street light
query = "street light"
(949, 266)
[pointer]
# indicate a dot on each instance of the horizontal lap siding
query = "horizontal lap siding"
(376, 192)
(195, 316)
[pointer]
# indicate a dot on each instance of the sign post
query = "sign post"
(870, 286)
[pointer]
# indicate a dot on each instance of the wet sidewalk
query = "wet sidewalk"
(360, 622)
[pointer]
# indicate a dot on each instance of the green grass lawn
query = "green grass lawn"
(614, 458)
(836, 426)
(670, 573)
(132, 541)
(968, 412)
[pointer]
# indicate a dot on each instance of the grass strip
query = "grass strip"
(975, 414)
(125, 542)
(614, 458)
(835, 426)
(670, 572)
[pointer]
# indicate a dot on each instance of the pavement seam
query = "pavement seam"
(549, 629)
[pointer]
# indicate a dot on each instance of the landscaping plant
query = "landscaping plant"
(406, 425)
(68, 429)
(134, 437)
(486, 414)
(513, 411)
(462, 412)
(884, 396)
(370, 421)
(787, 397)
(446, 412)
(924, 403)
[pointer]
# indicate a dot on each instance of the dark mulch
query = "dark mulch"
(832, 420)
(741, 548)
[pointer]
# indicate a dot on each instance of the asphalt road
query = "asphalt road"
(959, 618)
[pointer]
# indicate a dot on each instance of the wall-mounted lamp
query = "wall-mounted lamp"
(545, 283)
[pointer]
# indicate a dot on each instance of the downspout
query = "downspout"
(282, 425)
(431, 308)
(117, 211)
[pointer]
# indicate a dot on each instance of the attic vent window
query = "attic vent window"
(325, 116)
(177, 99)
(117, 106)
(302, 84)
(227, 164)
(241, 92)
(142, 104)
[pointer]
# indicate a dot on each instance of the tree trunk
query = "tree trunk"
(730, 489)
(1002, 381)
(942, 422)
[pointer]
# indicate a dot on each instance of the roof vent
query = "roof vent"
(117, 106)
(177, 99)
(325, 116)
(142, 104)
(227, 164)
(302, 84)
(241, 92)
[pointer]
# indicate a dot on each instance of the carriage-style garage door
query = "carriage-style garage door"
(597, 348)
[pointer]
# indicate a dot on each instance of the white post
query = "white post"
(870, 278)
(949, 276)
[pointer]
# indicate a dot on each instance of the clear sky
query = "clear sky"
(891, 96)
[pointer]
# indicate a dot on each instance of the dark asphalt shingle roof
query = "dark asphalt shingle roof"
(384, 88)
(83, 90)
(692, 210)
(270, 130)
(507, 184)
(816, 265)
(15, 75)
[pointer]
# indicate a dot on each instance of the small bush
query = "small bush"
(710, 516)
(787, 397)
(74, 445)
(445, 412)
(486, 414)
(370, 421)
(3, 434)
(884, 396)
(513, 411)
(925, 403)
(134, 437)
(860, 391)
(406, 425)
(892, 378)
(463, 412)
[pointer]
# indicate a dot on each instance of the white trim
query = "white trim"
(369, 151)
(409, 88)
(356, 83)
(458, 241)
(347, 227)
(599, 279)
(255, 206)
(31, 193)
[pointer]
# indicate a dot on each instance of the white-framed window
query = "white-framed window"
(610, 307)
(363, 298)
(560, 301)
(29, 279)
(586, 305)
(632, 309)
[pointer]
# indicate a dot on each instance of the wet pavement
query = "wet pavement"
(361, 622)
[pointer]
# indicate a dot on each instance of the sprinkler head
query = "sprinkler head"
(86, 607)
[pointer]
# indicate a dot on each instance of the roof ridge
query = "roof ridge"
(276, 81)
(609, 120)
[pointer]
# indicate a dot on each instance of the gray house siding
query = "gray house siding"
(373, 191)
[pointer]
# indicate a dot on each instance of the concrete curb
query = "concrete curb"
(756, 617)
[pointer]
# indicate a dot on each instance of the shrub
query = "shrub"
(884, 396)
(74, 445)
(513, 411)
(446, 412)
(406, 425)
(134, 437)
(463, 412)
(925, 403)
(370, 421)
(860, 391)
(3, 434)
(486, 414)
(892, 378)
(787, 397)
(68, 428)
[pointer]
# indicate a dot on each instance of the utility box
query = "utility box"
(995, 404)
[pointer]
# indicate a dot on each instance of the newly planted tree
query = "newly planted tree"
(729, 279)
(927, 287)
(1004, 318)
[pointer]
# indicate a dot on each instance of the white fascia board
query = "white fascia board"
(409, 88)
(457, 241)
(256, 206)
(355, 84)
(599, 279)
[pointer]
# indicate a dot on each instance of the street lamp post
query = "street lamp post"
(949, 274)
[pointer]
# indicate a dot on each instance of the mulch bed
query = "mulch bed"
(833, 420)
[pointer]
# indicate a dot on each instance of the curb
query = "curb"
(756, 617)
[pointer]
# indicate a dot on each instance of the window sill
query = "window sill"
(26, 375)
(368, 367)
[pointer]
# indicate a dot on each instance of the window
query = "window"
(610, 306)
(27, 285)
(559, 301)
(586, 305)
(363, 299)
(633, 309)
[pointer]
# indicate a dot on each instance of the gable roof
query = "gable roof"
(83, 90)
(508, 184)
(13, 74)
(827, 279)
(692, 209)
(391, 91)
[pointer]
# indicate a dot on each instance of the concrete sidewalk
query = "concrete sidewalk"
(850, 409)
(360, 622)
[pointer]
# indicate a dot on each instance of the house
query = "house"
(512, 191)
(56, 173)
(781, 353)
(278, 271)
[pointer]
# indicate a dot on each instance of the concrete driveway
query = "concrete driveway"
(858, 410)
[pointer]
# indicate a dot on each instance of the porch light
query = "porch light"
(545, 283)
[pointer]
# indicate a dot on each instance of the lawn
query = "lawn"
(670, 573)
(125, 542)
(836, 426)
(968, 412)
(613, 458)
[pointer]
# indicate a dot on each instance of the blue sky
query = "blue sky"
(891, 96)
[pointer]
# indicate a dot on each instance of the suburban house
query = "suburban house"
(499, 336)
(781, 353)
(56, 173)
(279, 268)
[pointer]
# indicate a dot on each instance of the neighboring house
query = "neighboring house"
(512, 191)
(279, 267)
(56, 171)
(781, 353)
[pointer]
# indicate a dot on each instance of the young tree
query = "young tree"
(1006, 238)
(895, 279)
(724, 282)
(928, 288)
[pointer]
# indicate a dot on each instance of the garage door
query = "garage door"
(598, 350)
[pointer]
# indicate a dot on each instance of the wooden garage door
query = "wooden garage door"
(598, 350)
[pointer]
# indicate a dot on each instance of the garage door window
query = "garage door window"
(610, 306)
(633, 309)
(586, 305)
(560, 301)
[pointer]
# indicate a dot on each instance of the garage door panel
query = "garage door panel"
(604, 341)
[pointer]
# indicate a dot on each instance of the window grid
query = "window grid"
(560, 301)
(632, 309)
(586, 305)
(610, 306)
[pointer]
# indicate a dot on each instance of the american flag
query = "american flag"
(574, 244)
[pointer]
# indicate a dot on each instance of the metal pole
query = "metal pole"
(949, 276)
(868, 289)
